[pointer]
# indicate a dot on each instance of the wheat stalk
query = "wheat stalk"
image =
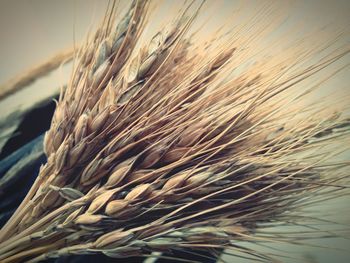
(23, 80)
(162, 148)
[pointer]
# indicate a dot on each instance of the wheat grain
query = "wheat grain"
(164, 148)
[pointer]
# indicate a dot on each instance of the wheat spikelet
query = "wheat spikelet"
(162, 147)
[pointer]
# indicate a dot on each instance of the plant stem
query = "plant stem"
(38, 250)
(39, 223)
(12, 223)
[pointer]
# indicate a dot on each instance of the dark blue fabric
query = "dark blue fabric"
(12, 195)
(13, 158)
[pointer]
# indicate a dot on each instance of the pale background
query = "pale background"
(33, 30)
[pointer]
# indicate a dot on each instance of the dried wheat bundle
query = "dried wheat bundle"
(177, 143)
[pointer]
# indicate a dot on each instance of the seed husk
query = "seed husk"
(139, 192)
(88, 219)
(175, 154)
(116, 206)
(101, 200)
(175, 182)
(81, 127)
(113, 239)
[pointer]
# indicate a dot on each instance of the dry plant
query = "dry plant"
(180, 144)
(26, 78)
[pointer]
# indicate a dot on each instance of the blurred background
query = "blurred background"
(34, 30)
